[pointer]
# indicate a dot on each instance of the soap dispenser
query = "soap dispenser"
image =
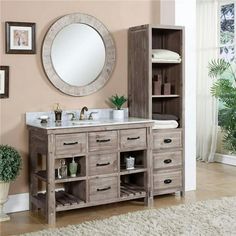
(58, 113)
(73, 168)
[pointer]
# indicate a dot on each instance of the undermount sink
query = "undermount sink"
(85, 122)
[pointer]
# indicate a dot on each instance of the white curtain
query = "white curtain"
(207, 115)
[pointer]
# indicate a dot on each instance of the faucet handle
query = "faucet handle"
(91, 115)
(73, 115)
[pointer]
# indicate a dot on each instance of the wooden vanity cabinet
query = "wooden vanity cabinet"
(145, 101)
(100, 152)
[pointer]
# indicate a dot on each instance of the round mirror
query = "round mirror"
(78, 54)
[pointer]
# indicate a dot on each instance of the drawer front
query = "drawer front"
(99, 141)
(170, 139)
(133, 138)
(71, 144)
(164, 180)
(102, 164)
(101, 189)
(167, 159)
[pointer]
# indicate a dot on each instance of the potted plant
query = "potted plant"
(10, 165)
(224, 89)
(118, 102)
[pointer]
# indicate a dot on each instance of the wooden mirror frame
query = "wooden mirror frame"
(109, 64)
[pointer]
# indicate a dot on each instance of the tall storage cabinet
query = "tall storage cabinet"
(144, 102)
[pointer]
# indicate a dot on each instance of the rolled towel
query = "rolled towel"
(165, 124)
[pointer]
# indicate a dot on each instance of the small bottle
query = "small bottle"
(62, 170)
(73, 168)
(58, 113)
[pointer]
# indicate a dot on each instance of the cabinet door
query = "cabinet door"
(133, 138)
(105, 140)
(102, 163)
(102, 189)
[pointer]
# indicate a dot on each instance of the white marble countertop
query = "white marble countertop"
(51, 124)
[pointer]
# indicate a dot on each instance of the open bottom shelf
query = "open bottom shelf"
(63, 200)
(131, 191)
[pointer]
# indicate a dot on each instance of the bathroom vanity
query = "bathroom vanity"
(100, 148)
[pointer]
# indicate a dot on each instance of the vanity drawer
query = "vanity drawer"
(105, 140)
(167, 179)
(167, 159)
(102, 164)
(71, 144)
(101, 189)
(133, 138)
(167, 139)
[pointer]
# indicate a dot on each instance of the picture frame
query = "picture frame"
(4, 81)
(20, 37)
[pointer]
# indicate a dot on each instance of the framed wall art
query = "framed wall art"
(20, 38)
(4, 81)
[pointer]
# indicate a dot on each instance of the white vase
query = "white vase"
(4, 189)
(118, 114)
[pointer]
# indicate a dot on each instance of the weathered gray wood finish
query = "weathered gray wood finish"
(99, 151)
(168, 145)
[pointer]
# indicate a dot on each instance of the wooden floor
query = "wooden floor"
(213, 181)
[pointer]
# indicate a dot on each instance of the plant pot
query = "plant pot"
(4, 189)
(118, 114)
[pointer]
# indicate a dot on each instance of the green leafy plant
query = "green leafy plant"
(224, 89)
(10, 163)
(118, 101)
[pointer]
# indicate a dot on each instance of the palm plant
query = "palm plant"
(224, 89)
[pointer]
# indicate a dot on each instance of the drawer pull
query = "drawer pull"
(168, 140)
(103, 189)
(103, 164)
(134, 138)
(73, 143)
(167, 161)
(103, 140)
(167, 181)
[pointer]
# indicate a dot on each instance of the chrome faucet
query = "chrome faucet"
(82, 116)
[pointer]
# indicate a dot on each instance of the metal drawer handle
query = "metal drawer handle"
(103, 140)
(168, 140)
(167, 181)
(103, 189)
(73, 143)
(103, 164)
(134, 138)
(167, 161)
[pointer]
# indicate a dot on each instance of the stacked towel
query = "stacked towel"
(163, 56)
(165, 124)
(157, 116)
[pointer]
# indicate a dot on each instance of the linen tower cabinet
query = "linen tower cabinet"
(156, 91)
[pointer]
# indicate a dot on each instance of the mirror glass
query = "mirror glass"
(78, 54)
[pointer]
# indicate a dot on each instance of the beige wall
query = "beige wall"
(30, 90)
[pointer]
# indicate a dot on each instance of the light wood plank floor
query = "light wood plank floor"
(213, 181)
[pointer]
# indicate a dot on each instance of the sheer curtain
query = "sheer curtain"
(207, 115)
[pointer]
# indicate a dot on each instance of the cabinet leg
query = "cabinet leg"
(148, 201)
(182, 193)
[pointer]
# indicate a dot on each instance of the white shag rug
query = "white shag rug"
(213, 217)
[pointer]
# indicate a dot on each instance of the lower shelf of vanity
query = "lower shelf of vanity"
(66, 201)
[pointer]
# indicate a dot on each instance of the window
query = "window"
(227, 33)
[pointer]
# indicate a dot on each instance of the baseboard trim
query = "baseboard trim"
(225, 159)
(16, 203)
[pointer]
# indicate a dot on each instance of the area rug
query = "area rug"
(213, 217)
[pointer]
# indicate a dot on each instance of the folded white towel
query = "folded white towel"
(165, 124)
(165, 55)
